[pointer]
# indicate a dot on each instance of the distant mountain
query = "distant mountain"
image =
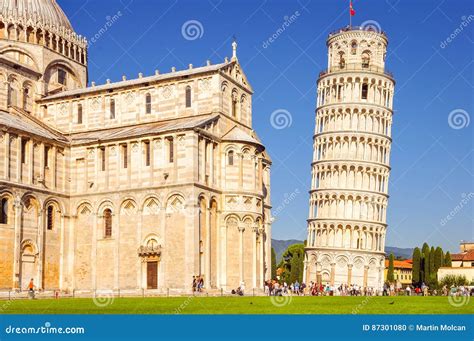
(399, 252)
(281, 245)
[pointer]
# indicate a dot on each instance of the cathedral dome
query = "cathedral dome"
(39, 12)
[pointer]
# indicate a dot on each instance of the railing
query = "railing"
(356, 67)
(358, 28)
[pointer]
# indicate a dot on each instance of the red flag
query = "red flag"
(351, 10)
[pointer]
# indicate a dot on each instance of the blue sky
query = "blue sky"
(432, 156)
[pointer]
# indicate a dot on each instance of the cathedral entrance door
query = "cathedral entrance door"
(152, 275)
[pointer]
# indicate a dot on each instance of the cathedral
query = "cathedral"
(140, 184)
(351, 162)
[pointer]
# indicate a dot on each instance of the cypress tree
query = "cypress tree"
(426, 264)
(416, 270)
(432, 276)
(447, 259)
(390, 274)
(274, 264)
(438, 259)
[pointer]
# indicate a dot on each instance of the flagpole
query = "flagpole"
(350, 14)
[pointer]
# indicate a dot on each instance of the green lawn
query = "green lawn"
(239, 305)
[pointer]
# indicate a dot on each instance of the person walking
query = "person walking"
(31, 289)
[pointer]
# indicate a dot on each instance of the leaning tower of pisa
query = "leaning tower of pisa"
(351, 162)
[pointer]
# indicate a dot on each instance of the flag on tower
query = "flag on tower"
(351, 9)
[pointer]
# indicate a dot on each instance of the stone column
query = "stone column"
(61, 252)
(223, 257)
(7, 156)
(31, 165)
(306, 272)
(254, 256)
(241, 251)
(366, 275)
(262, 255)
(207, 272)
(40, 245)
(349, 274)
(17, 243)
(333, 273)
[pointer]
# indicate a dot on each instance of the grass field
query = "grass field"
(240, 305)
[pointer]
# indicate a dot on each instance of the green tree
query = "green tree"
(274, 264)
(295, 268)
(416, 270)
(426, 263)
(447, 259)
(390, 271)
(454, 280)
(438, 259)
(292, 263)
(432, 276)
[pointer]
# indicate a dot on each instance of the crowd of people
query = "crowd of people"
(274, 288)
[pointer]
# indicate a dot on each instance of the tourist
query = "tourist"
(194, 284)
(31, 289)
(408, 290)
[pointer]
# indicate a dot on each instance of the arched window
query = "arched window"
(112, 108)
(4, 211)
(342, 60)
(12, 95)
(188, 97)
(170, 143)
(26, 99)
(365, 90)
(108, 223)
(234, 107)
(50, 217)
(62, 77)
(148, 103)
(230, 158)
(79, 113)
(365, 59)
(353, 47)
